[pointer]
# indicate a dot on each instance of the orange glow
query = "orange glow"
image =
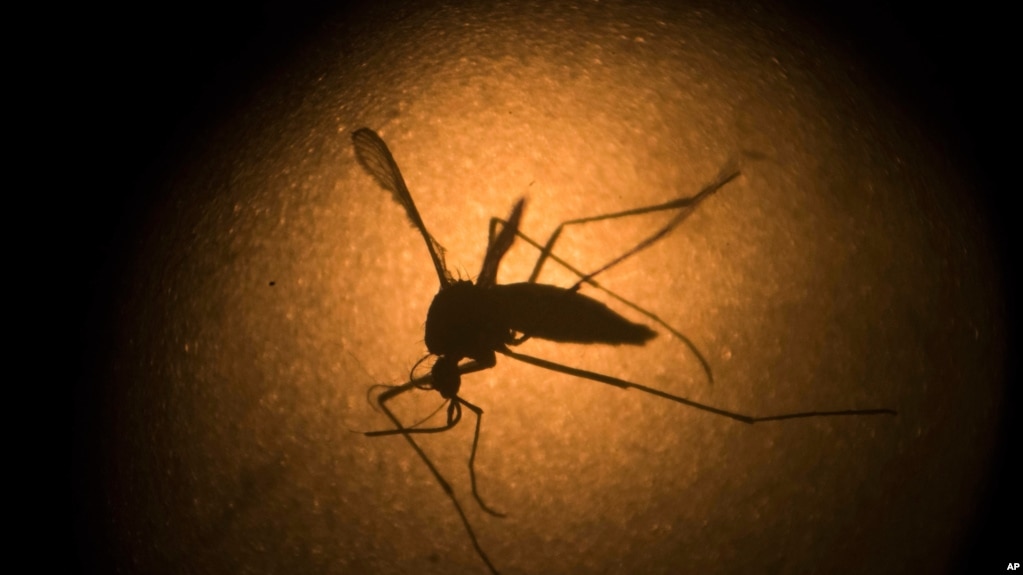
(842, 270)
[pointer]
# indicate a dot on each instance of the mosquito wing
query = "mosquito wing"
(499, 246)
(376, 159)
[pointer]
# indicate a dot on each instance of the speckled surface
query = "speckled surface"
(846, 268)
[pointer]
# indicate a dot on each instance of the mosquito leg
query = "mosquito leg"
(472, 457)
(454, 416)
(588, 278)
(454, 411)
(621, 383)
(394, 392)
(627, 303)
(685, 205)
(407, 434)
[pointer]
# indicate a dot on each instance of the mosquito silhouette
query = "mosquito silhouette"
(469, 323)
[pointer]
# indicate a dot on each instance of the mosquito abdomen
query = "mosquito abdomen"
(557, 314)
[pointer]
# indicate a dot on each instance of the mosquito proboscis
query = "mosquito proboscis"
(468, 323)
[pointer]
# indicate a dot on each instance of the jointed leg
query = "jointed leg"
(621, 383)
(472, 457)
(627, 303)
(453, 418)
(686, 205)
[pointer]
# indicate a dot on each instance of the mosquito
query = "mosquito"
(469, 323)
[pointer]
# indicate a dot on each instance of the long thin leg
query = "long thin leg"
(472, 457)
(627, 303)
(454, 416)
(407, 434)
(686, 205)
(621, 383)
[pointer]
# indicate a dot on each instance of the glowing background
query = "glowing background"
(847, 269)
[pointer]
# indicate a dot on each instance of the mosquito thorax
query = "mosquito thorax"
(463, 322)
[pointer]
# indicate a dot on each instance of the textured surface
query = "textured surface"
(846, 268)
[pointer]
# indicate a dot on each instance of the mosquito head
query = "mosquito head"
(446, 377)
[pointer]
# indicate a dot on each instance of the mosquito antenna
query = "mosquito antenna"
(376, 159)
(373, 388)
(412, 372)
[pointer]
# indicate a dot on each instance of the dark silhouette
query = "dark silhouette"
(475, 321)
